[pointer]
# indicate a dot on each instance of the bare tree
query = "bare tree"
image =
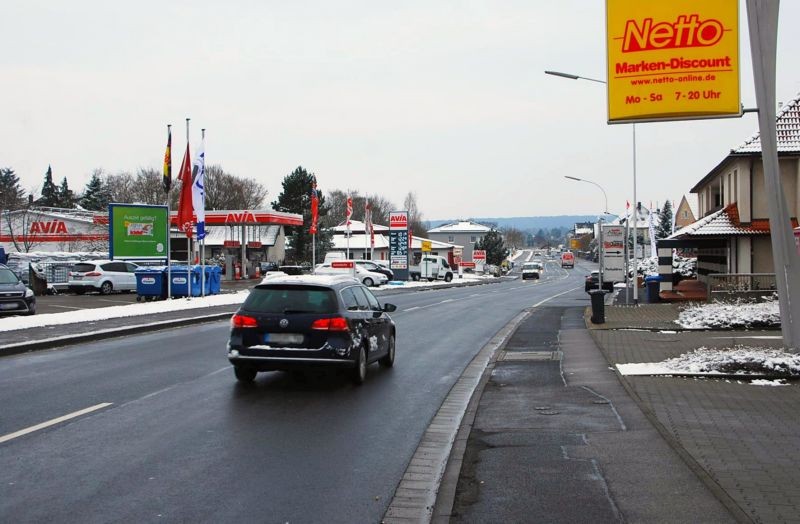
(227, 191)
(19, 223)
(513, 237)
(415, 221)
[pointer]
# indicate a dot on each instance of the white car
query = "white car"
(103, 276)
(531, 270)
(368, 278)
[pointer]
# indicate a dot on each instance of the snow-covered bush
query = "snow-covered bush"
(735, 315)
(736, 360)
(686, 267)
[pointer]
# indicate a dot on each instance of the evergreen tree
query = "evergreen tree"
(12, 196)
(66, 197)
(496, 250)
(296, 198)
(664, 227)
(50, 194)
(96, 195)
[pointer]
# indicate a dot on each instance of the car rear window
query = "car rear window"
(83, 267)
(290, 299)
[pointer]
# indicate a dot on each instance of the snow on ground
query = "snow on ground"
(737, 315)
(12, 323)
(739, 360)
(130, 310)
(763, 382)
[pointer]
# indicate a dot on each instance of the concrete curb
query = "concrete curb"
(53, 342)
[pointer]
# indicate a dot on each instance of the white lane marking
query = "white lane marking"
(411, 308)
(548, 299)
(114, 301)
(476, 295)
(53, 422)
(65, 307)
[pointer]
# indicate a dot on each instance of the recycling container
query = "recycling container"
(151, 283)
(185, 281)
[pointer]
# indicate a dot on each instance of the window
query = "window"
(473, 239)
(450, 238)
(349, 299)
(361, 298)
(283, 299)
(685, 214)
(374, 305)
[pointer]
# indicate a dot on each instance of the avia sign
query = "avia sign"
(672, 60)
(245, 216)
(479, 254)
(398, 220)
(52, 227)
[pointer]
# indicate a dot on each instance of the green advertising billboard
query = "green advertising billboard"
(137, 231)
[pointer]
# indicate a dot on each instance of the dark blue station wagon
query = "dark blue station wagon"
(297, 322)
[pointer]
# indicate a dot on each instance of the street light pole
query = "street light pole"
(600, 222)
(635, 212)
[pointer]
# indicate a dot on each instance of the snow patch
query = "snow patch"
(739, 360)
(736, 315)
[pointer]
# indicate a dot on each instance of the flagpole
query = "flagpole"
(189, 237)
(203, 240)
(169, 220)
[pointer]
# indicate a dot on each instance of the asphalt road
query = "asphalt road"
(173, 437)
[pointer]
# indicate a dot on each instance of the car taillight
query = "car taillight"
(330, 324)
(243, 321)
(92, 274)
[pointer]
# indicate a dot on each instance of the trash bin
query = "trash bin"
(216, 280)
(598, 306)
(653, 283)
(185, 281)
(151, 283)
(212, 276)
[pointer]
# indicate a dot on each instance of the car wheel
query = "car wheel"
(31, 310)
(360, 371)
(368, 282)
(448, 277)
(106, 288)
(388, 360)
(430, 279)
(244, 374)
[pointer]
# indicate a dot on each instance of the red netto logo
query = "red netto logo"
(686, 31)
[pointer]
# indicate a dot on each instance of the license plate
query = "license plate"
(282, 338)
(8, 306)
(77, 277)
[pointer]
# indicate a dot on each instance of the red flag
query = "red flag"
(314, 206)
(368, 223)
(627, 204)
(185, 209)
(349, 211)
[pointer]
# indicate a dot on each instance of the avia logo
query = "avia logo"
(245, 216)
(686, 31)
(398, 221)
(52, 226)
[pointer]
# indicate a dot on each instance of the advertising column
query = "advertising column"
(613, 253)
(398, 244)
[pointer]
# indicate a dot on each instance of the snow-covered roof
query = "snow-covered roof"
(788, 128)
(357, 226)
(463, 226)
(724, 222)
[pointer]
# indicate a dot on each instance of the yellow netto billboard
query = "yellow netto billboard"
(672, 59)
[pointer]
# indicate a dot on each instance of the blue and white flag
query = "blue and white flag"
(198, 189)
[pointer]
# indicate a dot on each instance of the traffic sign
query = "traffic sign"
(426, 245)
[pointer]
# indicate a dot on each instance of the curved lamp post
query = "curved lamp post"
(635, 207)
(600, 220)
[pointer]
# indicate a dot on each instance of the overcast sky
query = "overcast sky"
(446, 99)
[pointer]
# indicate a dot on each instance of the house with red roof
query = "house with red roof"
(732, 233)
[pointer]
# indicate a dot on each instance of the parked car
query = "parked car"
(531, 270)
(369, 265)
(103, 276)
(593, 282)
(368, 278)
(266, 267)
(431, 267)
(15, 296)
(297, 322)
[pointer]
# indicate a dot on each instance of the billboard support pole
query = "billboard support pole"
(763, 22)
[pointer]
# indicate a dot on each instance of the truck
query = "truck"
(431, 267)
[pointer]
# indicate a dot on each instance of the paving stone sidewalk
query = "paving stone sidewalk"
(744, 438)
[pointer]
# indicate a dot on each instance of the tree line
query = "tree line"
(223, 190)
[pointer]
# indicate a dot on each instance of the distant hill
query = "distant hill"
(527, 223)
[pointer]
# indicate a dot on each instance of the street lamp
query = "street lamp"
(600, 220)
(635, 207)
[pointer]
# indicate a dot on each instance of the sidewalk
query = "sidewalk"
(581, 443)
